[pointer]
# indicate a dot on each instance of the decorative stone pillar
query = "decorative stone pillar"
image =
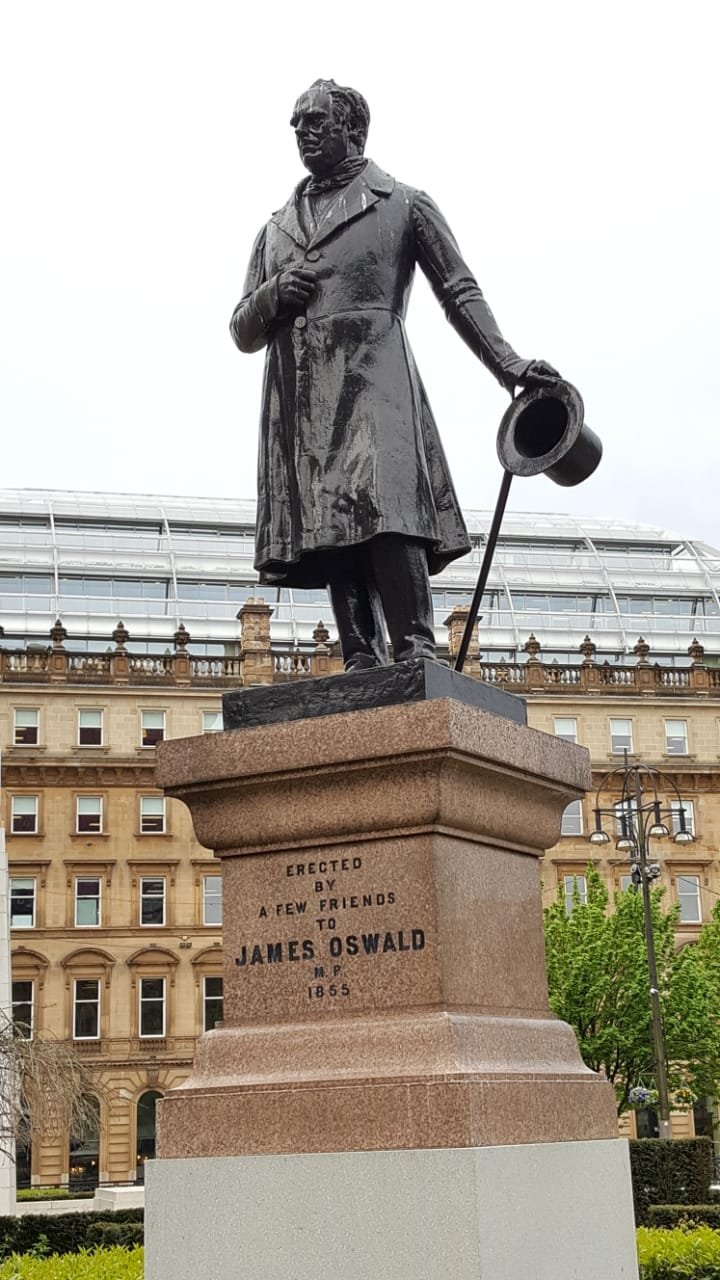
(455, 623)
(119, 663)
(182, 670)
(256, 662)
(699, 674)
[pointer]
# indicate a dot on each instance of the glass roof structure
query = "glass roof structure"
(92, 559)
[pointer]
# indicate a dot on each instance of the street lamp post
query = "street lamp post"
(641, 816)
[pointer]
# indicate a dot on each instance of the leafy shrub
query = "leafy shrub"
(53, 1193)
(670, 1255)
(63, 1232)
(101, 1264)
(684, 1215)
(674, 1172)
(105, 1235)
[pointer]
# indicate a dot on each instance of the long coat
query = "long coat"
(349, 448)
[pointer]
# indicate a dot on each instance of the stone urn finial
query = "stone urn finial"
(58, 634)
(532, 647)
(321, 635)
(182, 638)
(121, 636)
(588, 650)
(641, 651)
(696, 651)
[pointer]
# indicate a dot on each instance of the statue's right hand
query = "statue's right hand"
(296, 286)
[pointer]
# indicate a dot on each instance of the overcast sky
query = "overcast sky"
(572, 146)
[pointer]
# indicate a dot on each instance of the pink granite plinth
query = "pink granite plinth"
(384, 966)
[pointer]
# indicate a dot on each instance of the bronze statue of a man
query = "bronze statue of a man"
(354, 491)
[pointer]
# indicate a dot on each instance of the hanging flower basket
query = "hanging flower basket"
(683, 1099)
(639, 1097)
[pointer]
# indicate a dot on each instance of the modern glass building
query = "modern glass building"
(92, 559)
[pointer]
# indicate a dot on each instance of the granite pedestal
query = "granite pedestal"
(384, 979)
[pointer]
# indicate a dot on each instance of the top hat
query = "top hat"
(543, 432)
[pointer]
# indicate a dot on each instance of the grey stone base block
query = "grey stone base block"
(550, 1211)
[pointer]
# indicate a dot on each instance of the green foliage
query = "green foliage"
(100, 1264)
(106, 1234)
(670, 1173)
(598, 981)
(61, 1233)
(687, 1216)
(52, 1193)
(677, 1255)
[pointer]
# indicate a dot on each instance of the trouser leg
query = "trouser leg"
(358, 615)
(400, 570)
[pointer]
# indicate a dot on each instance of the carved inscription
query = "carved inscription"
(331, 916)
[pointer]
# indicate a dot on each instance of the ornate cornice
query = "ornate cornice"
(80, 773)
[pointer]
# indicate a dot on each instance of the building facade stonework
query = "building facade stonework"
(116, 910)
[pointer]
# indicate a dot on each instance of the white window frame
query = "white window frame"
(572, 819)
(30, 1025)
(76, 1004)
(211, 896)
(567, 734)
(153, 897)
(90, 711)
(87, 897)
(569, 881)
(689, 807)
(144, 1001)
(672, 738)
(629, 810)
(16, 803)
(29, 889)
(159, 803)
(215, 727)
(26, 711)
(625, 882)
(79, 800)
(152, 711)
(685, 882)
(207, 999)
(616, 734)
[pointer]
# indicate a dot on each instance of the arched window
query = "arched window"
(84, 1158)
(145, 1131)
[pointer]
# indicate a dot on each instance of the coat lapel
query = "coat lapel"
(362, 193)
(287, 219)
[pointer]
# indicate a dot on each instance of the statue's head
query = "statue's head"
(331, 122)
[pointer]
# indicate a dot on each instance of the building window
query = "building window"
(688, 809)
(152, 815)
(88, 913)
(688, 892)
(626, 818)
(572, 823)
(152, 728)
(212, 1002)
(626, 882)
(145, 1131)
(86, 1009)
(566, 728)
(676, 737)
(24, 815)
(212, 900)
(23, 1009)
(620, 736)
(571, 885)
(89, 815)
(90, 728)
(27, 727)
(22, 903)
(152, 1007)
(152, 901)
(84, 1150)
(212, 721)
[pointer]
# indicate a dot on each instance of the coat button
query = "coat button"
(300, 322)
(313, 255)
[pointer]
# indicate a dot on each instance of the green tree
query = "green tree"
(598, 982)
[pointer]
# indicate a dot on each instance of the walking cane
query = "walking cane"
(542, 432)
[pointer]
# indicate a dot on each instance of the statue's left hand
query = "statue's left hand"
(540, 374)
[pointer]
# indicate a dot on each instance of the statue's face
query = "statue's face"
(322, 135)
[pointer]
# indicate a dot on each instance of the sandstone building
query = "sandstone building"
(123, 618)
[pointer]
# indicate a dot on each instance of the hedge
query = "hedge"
(104, 1264)
(52, 1193)
(669, 1255)
(683, 1215)
(672, 1172)
(60, 1233)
